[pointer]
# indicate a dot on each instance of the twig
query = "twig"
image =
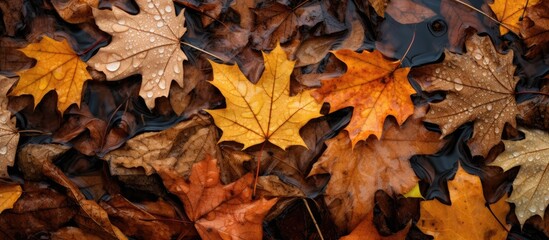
(313, 217)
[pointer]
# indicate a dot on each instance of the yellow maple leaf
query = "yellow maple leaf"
(9, 193)
(509, 12)
(374, 86)
(264, 111)
(57, 68)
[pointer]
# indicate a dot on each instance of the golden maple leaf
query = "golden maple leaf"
(9, 193)
(531, 186)
(510, 12)
(374, 86)
(468, 211)
(57, 68)
(264, 111)
(147, 43)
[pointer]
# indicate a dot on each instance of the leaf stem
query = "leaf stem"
(532, 92)
(258, 165)
(409, 45)
(34, 131)
(202, 50)
(314, 220)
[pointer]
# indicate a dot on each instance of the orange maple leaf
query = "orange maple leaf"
(218, 211)
(57, 68)
(374, 86)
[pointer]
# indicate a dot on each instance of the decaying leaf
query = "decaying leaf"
(9, 136)
(218, 211)
(374, 86)
(356, 174)
(510, 13)
(264, 111)
(535, 27)
(468, 212)
(57, 68)
(90, 216)
(68, 233)
(176, 148)
(31, 158)
(531, 186)
(75, 11)
(379, 6)
(408, 11)
(9, 193)
(147, 43)
(480, 87)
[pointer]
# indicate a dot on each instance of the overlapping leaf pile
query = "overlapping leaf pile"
(287, 120)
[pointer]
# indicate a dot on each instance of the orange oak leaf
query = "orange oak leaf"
(374, 86)
(218, 211)
(147, 43)
(57, 68)
(467, 217)
(356, 174)
(264, 111)
(510, 13)
(480, 87)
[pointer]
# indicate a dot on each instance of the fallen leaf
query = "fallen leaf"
(9, 193)
(481, 89)
(408, 11)
(32, 156)
(135, 221)
(509, 12)
(218, 211)
(39, 209)
(12, 15)
(467, 212)
(535, 28)
(9, 136)
(459, 18)
(70, 233)
(57, 68)
(176, 148)
(264, 111)
(531, 186)
(11, 59)
(155, 53)
(91, 216)
(374, 86)
(75, 11)
(357, 173)
(535, 112)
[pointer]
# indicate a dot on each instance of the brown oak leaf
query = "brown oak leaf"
(480, 87)
(535, 28)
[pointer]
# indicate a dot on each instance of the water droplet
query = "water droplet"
(3, 150)
(152, 39)
(532, 208)
(437, 70)
(149, 94)
(121, 21)
(150, 5)
(58, 73)
(135, 64)
(485, 61)
(515, 154)
(159, 24)
(496, 130)
(113, 66)
(489, 107)
(168, 9)
(151, 30)
(157, 17)
(3, 118)
(162, 84)
(478, 56)
(160, 72)
(176, 69)
(530, 159)
(458, 84)
(161, 50)
(43, 84)
(119, 28)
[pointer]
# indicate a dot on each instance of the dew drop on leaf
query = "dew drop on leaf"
(458, 84)
(3, 150)
(113, 66)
